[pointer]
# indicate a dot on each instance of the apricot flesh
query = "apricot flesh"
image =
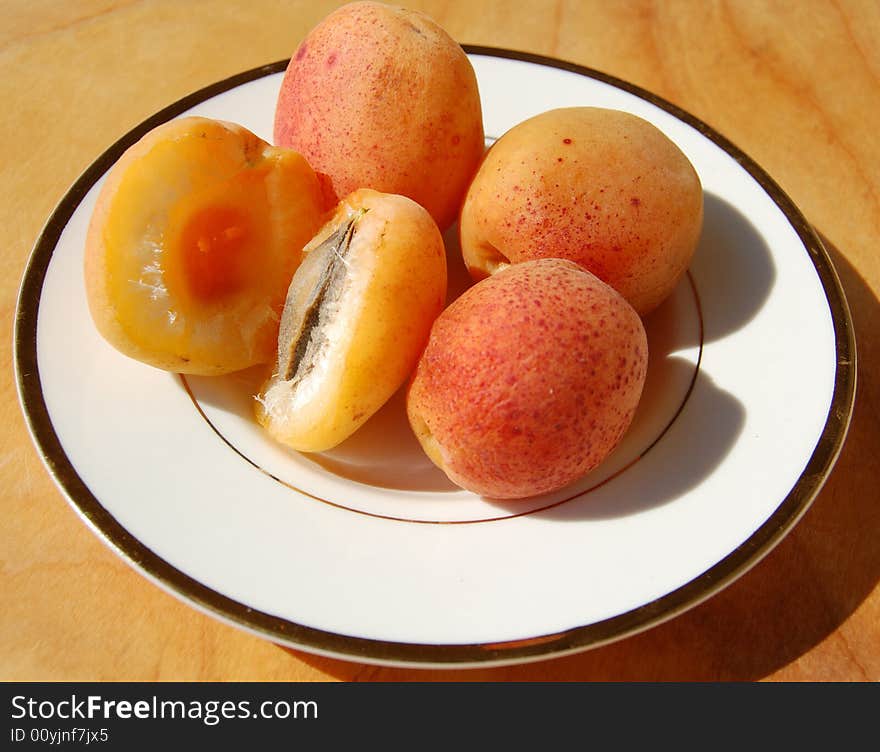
(382, 97)
(357, 315)
(529, 379)
(601, 187)
(195, 235)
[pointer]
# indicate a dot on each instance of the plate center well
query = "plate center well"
(381, 470)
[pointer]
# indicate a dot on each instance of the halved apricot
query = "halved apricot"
(358, 313)
(195, 236)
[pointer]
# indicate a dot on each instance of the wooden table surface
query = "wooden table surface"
(796, 85)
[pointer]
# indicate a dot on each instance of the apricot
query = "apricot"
(192, 243)
(529, 379)
(357, 315)
(601, 187)
(382, 97)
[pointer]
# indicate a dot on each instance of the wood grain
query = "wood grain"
(796, 85)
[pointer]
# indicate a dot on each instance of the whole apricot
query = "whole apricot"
(357, 315)
(193, 240)
(601, 187)
(529, 380)
(382, 97)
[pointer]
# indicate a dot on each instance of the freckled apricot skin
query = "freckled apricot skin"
(381, 97)
(193, 240)
(529, 380)
(601, 187)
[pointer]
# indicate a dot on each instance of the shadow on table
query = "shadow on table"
(801, 593)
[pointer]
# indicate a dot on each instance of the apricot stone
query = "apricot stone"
(195, 235)
(382, 97)
(601, 187)
(529, 379)
(357, 316)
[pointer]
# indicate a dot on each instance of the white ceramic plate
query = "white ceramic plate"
(368, 552)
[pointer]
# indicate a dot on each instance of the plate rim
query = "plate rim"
(419, 655)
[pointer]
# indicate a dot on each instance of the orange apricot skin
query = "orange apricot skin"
(381, 97)
(529, 380)
(601, 187)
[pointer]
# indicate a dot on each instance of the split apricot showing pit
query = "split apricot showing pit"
(194, 238)
(358, 313)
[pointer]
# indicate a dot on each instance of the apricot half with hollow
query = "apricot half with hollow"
(193, 241)
(357, 315)
(529, 379)
(601, 187)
